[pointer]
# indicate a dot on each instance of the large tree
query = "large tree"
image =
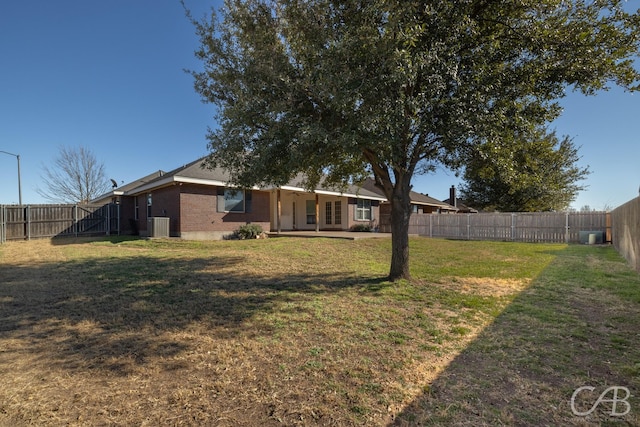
(527, 173)
(75, 176)
(393, 88)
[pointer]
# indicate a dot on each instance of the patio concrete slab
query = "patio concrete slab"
(349, 235)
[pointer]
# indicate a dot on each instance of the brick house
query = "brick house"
(200, 205)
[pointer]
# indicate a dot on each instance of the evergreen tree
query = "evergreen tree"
(392, 88)
(524, 174)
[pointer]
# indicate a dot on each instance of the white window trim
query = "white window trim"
(309, 214)
(337, 212)
(363, 210)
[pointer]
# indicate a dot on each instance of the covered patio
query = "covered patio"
(293, 208)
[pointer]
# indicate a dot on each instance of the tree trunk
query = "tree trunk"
(400, 214)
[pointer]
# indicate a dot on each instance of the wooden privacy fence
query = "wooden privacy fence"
(549, 227)
(626, 231)
(36, 221)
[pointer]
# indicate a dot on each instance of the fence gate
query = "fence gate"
(36, 221)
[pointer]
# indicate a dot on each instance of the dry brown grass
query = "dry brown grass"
(276, 332)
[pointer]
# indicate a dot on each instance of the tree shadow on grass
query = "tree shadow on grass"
(576, 325)
(62, 240)
(114, 314)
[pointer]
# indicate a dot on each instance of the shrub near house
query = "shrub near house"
(249, 231)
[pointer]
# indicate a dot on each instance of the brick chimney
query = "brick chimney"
(452, 196)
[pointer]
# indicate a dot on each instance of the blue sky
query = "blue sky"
(109, 76)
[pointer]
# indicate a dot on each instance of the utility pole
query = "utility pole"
(17, 156)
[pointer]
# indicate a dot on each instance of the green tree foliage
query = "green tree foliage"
(395, 87)
(524, 174)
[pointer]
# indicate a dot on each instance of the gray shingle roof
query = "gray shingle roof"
(122, 189)
(350, 190)
(194, 171)
(141, 181)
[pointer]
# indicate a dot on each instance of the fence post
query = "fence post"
(431, 225)
(108, 227)
(468, 226)
(27, 222)
(75, 220)
(2, 226)
(566, 228)
(513, 227)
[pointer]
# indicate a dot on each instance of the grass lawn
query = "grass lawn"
(307, 332)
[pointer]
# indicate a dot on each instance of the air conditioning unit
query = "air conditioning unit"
(591, 237)
(158, 226)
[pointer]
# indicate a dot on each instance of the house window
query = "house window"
(136, 208)
(363, 210)
(149, 203)
(414, 209)
(311, 212)
(232, 200)
(327, 212)
(337, 212)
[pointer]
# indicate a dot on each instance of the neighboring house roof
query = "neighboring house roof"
(462, 208)
(425, 199)
(416, 198)
(458, 202)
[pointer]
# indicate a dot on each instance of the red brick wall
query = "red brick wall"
(385, 209)
(198, 210)
(164, 202)
(193, 208)
(128, 225)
